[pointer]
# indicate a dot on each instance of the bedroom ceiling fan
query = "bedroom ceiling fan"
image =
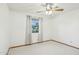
(50, 8)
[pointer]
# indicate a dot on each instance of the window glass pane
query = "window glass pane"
(35, 25)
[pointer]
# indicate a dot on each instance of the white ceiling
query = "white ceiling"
(33, 7)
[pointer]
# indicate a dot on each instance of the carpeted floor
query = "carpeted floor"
(45, 48)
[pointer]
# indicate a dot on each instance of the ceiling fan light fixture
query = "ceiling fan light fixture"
(48, 12)
(51, 8)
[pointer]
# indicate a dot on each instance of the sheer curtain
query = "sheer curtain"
(28, 30)
(40, 29)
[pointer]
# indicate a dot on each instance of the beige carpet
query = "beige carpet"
(46, 48)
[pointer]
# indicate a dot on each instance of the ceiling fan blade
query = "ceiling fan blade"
(56, 9)
(59, 9)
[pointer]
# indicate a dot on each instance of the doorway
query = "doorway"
(34, 28)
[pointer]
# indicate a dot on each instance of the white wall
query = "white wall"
(65, 28)
(46, 28)
(4, 29)
(19, 27)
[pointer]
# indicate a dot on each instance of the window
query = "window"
(35, 25)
